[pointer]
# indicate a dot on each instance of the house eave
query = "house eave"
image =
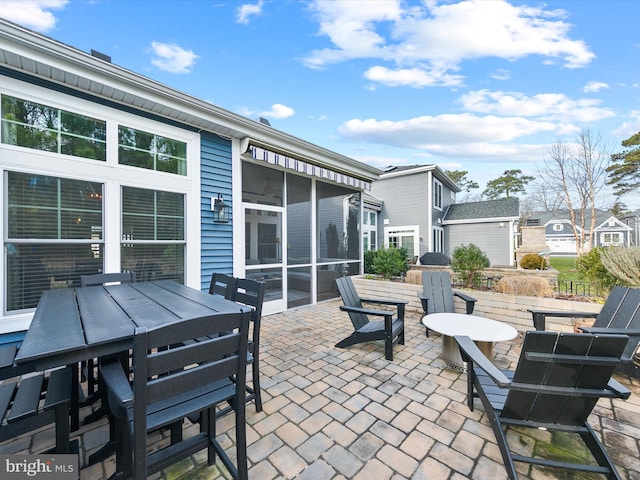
(38, 56)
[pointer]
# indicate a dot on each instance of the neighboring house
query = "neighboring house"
(560, 238)
(490, 225)
(633, 221)
(414, 200)
(106, 170)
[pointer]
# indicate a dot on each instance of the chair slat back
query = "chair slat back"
(223, 285)
(622, 310)
(436, 286)
(167, 362)
(558, 374)
(350, 298)
(251, 293)
(102, 278)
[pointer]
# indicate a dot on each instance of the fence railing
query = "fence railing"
(564, 287)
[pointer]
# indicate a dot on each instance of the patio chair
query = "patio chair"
(437, 294)
(251, 293)
(223, 285)
(32, 400)
(555, 386)
(390, 329)
(620, 314)
(173, 378)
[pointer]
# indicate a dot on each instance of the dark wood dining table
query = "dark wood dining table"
(76, 324)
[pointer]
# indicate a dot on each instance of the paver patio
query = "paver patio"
(351, 414)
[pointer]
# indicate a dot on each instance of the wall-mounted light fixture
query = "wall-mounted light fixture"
(220, 210)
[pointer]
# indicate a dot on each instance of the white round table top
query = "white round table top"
(477, 328)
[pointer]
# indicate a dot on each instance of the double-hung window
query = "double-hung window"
(437, 195)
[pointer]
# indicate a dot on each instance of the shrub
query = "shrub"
(390, 262)
(468, 262)
(592, 268)
(533, 261)
(369, 255)
(525, 285)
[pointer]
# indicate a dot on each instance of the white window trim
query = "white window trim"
(109, 173)
(437, 185)
(399, 230)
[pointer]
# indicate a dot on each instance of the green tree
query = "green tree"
(510, 183)
(624, 170)
(468, 262)
(591, 268)
(459, 177)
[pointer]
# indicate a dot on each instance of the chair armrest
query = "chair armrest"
(367, 311)
(470, 301)
(384, 301)
(117, 383)
(471, 353)
(631, 332)
(619, 389)
(539, 316)
(425, 302)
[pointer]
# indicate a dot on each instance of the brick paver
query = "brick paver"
(332, 414)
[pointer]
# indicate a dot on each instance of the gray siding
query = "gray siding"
(405, 203)
(486, 236)
(217, 238)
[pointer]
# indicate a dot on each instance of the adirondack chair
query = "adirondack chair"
(173, 378)
(437, 294)
(555, 386)
(390, 329)
(620, 314)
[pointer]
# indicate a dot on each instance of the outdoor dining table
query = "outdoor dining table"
(76, 324)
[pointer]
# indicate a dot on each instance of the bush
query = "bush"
(591, 268)
(369, 255)
(525, 285)
(533, 261)
(468, 262)
(390, 262)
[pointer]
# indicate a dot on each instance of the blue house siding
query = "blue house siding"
(215, 177)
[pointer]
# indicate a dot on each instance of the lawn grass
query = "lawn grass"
(566, 267)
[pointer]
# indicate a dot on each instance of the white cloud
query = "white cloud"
(629, 127)
(447, 131)
(172, 58)
(32, 14)
(594, 87)
(279, 111)
(413, 77)
(501, 74)
(246, 11)
(545, 106)
(437, 38)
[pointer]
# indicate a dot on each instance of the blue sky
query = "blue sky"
(482, 86)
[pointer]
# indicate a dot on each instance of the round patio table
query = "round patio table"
(483, 331)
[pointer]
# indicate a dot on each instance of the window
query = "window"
(438, 239)
(403, 237)
(54, 235)
(150, 151)
(437, 195)
(34, 125)
(153, 239)
(557, 227)
(611, 238)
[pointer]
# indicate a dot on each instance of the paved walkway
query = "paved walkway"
(350, 414)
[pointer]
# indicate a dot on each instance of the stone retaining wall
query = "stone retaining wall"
(511, 309)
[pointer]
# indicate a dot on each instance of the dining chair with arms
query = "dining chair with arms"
(175, 377)
(31, 400)
(251, 293)
(223, 285)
